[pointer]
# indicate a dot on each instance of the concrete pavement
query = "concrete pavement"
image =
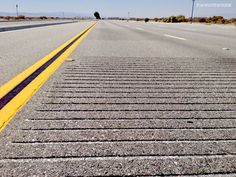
(134, 102)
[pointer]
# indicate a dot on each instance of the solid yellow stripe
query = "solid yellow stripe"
(19, 78)
(18, 101)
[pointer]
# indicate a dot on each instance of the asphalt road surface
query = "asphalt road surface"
(20, 49)
(7, 24)
(13, 26)
(140, 99)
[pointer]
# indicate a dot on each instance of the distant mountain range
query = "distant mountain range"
(48, 14)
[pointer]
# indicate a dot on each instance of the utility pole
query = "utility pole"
(17, 12)
(128, 16)
(191, 19)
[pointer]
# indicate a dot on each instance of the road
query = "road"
(20, 49)
(13, 26)
(8, 24)
(147, 99)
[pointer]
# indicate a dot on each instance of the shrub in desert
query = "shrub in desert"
(156, 19)
(216, 19)
(232, 20)
(165, 20)
(20, 17)
(7, 18)
(172, 19)
(181, 18)
(146, 20)
(202, 20)
(43, 17)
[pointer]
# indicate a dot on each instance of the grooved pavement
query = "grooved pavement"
(130, 125)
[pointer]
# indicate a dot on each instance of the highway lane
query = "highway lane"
(21, 49)
(213, 30)
(202, 37)
(134, 102)
(213, 38)
(28, 22)
(140, 39)
(15, 28)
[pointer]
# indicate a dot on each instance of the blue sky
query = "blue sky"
(137, 8)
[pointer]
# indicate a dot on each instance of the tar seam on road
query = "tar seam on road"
(5, 100)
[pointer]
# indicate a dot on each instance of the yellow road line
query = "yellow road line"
(7, 112)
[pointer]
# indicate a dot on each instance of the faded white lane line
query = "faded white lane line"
(225, 48)
(141, 29)
(175, 37)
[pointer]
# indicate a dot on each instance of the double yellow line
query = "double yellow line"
(10, 108)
